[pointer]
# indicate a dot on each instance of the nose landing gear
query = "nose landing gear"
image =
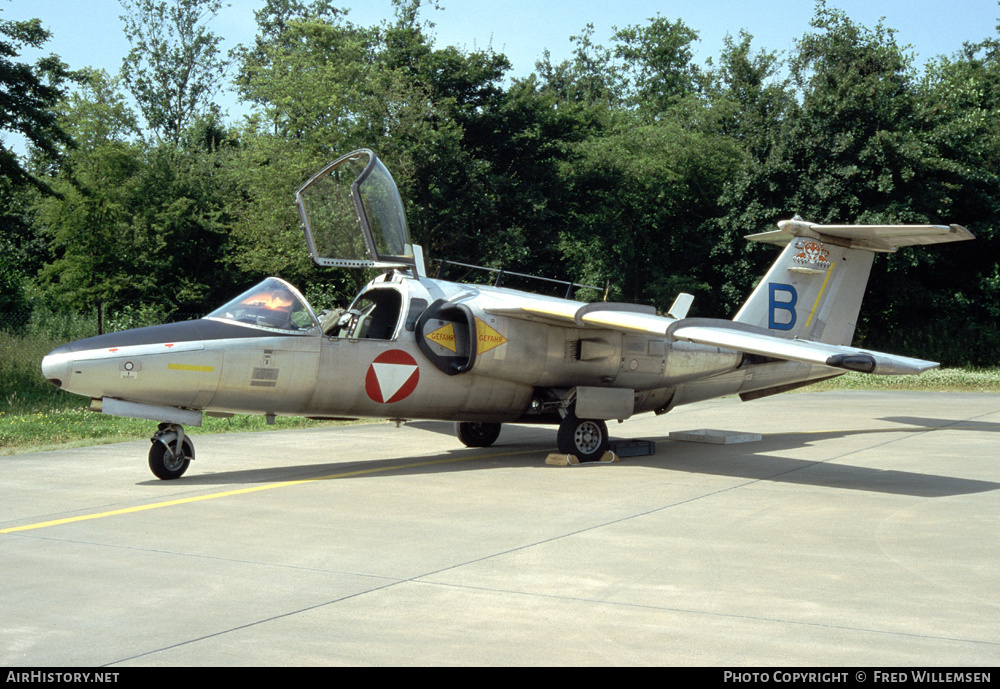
(171, 453)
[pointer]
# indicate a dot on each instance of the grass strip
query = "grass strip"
(74, 427)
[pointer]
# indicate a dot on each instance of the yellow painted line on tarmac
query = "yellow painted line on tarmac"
(254, 489)
(412, 465)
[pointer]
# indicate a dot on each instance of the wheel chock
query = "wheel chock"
(562, 460)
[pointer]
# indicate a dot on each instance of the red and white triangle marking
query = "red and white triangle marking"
(392, 377)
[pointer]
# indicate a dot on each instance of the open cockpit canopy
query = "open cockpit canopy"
(355, 192)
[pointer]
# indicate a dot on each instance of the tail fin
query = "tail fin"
(814, 290)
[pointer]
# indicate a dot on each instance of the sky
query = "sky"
(89, 33)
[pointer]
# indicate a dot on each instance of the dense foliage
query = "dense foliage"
(627, 165)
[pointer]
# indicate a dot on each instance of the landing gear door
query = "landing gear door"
(353, 216)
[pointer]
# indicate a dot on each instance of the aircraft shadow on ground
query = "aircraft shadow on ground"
(944, 424)
(755, 461)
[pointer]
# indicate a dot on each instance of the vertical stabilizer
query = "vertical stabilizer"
(814, 290)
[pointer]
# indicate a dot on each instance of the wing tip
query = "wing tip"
(885, 365)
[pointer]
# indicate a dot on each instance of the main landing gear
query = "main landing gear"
(171, 453)
(587, 439)
(477, 434)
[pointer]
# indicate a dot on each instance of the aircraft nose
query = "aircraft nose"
(57, 366)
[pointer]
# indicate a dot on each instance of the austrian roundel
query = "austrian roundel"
(392, 377)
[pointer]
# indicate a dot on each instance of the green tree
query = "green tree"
(134, 221)
(869, 142)
(95, 253)
(865, 153)
(306, 76)
(434, 115)
(749, 95)
(27, 95)
(657, 61)
(185, 213)
(753, 106)
(174, 67)
(436, 111)
(849, 152)
(959, 104)
(14, 306)
(644, 199)
(591, 76)
(307, 72)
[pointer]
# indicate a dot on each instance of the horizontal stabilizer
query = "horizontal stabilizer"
(754, 340)
(881, 238)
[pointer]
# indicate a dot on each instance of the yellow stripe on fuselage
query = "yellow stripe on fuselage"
(191, 367)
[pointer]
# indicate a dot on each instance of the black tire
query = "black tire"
(477, 434)
(165, 465)
(585, 438)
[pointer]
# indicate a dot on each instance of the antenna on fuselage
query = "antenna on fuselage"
(419, 267)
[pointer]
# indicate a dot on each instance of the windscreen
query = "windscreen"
(271, 304)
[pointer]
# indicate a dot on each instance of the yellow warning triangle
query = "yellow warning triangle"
(487, 338)
(444, 336)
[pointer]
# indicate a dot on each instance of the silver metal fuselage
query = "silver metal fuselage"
(411, 347)
(221, 366)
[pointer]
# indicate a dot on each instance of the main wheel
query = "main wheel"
(585, 438)
(165, 464)
(477, 434)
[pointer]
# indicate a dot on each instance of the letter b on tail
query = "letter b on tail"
(781, 306)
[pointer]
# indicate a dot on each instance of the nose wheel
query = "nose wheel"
(585, 438)
(171, 452)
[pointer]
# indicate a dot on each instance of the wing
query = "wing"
(630, 318)
(747, 337)
(711, 332)
(754, 340)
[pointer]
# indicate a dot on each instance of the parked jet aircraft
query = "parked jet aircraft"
(413, 347)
